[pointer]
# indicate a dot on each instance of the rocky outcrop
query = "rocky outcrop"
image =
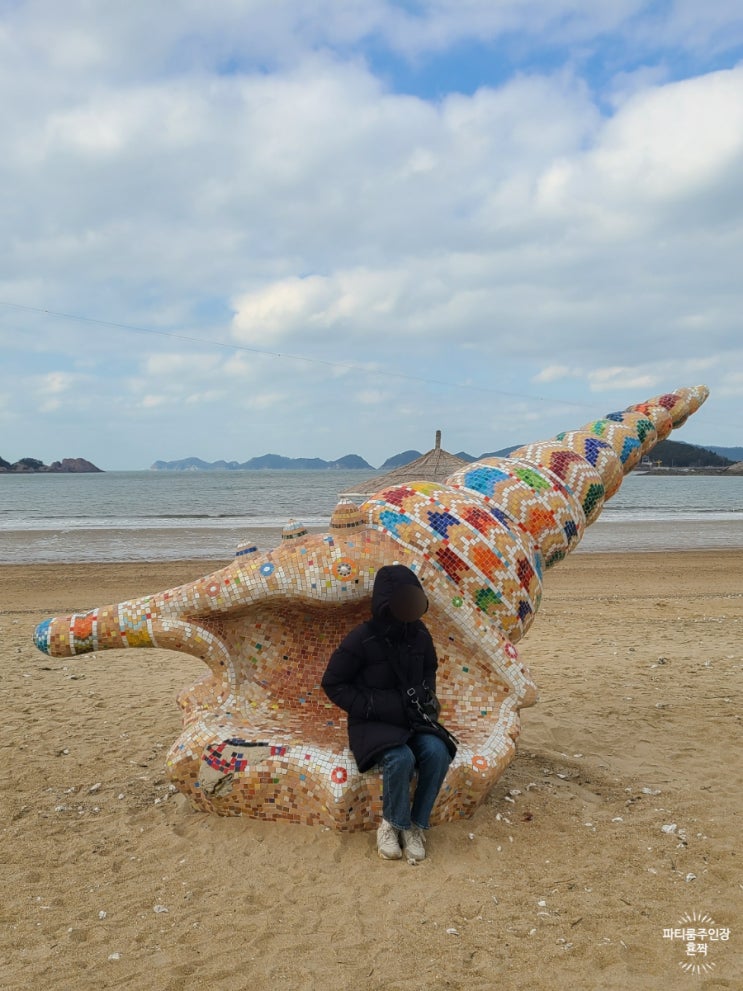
(77, 465)
(33, 466)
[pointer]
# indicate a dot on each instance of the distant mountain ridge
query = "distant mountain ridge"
(271, 461)
(732, 453)
(399, 460)
(669, 453)
(279, 462)
(677, 454)
(405, 457)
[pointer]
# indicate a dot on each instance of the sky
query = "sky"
(325, 227)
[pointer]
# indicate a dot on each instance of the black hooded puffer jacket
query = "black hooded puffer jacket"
(369, 673)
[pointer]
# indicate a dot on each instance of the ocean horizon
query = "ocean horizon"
(149, 515)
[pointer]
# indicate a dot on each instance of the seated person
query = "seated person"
(383, 675)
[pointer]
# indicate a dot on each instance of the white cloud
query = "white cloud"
(153, 401)
(264, 400)
(372, 397)
(553, 373)
(731, 380)
(346, 300)
(242, 173)
(612, 379)
(56, 383)
(665, 143)
(174, 368)
(279, 309)
(207, 397)
(669, 140)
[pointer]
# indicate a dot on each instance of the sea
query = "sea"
(162, 515)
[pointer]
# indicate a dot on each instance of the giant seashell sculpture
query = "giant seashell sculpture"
(260, 738)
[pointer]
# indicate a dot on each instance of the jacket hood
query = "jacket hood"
(398, 595)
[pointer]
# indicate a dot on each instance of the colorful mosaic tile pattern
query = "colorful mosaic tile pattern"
(260, 737)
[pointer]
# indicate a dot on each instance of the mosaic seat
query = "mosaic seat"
(260, 738)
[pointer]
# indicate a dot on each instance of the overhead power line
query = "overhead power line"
(346, 366)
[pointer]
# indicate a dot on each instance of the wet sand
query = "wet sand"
(162, 544)
(619, 816)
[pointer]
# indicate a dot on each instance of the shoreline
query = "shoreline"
(23, 585)
(82, 585)
(186, 544)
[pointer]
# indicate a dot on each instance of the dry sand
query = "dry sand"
(564, 879)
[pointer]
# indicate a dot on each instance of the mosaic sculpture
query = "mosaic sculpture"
(260, 738)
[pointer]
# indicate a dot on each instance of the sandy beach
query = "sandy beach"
(619, 818)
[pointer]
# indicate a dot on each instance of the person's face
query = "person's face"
(408, 603)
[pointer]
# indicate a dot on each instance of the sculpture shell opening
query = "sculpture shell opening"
(260, 738)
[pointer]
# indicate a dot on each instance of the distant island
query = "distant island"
(676, 457)
(33, 466)
(273, 461)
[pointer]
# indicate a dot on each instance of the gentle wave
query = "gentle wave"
(655, 515)
(154, 523)
(207, 524)
(143, 516)
(49, 524)
(111, 545)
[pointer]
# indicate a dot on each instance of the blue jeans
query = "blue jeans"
(430, 756)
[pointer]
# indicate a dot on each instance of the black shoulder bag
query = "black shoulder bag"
(426, 710)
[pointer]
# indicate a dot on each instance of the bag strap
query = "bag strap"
(393, 658)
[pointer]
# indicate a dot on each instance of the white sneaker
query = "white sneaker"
(413, 840)
(388, 842)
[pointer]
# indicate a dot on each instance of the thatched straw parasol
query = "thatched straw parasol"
(434, 466)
